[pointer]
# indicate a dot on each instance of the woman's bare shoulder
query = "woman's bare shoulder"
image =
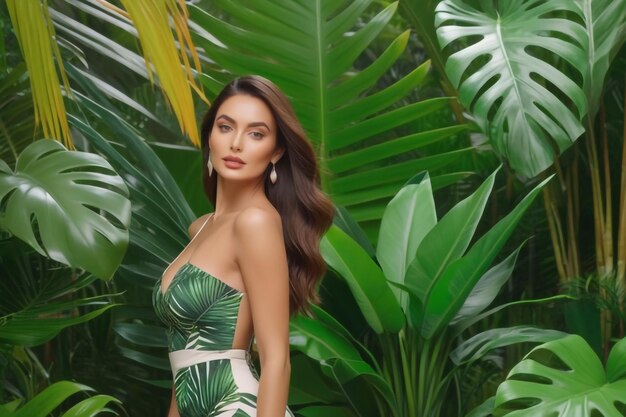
(195, 225)
(257, 217)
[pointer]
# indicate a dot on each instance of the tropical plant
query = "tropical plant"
(39, 51)
(428, 289)
(34, 30)
(68, 205)
(36, 307)
(562, 377)
(420, 15)
(314, 51)
(507, 76)
(53, 396)
(17, 117)
(533, 75)
(160, 219)
(39, 299)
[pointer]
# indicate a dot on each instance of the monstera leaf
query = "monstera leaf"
(505, 75)
(70, 206)
(606, 30)
(565, 377)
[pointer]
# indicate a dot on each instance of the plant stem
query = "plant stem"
(406, 371)
(608, 229)
(573, 215)
(422, 376)
(596, 195)
(621, 234)
(390, 353)
(553, 219)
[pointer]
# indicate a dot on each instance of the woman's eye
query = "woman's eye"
(223, 128)
(258, 135)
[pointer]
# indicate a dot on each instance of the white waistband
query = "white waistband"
(187, 357)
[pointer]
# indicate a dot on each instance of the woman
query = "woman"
(250, 264)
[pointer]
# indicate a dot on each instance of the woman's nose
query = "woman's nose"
(237, 142)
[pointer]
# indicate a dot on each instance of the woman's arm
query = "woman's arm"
(262, 260)
(173, 412)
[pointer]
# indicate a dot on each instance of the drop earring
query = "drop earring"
(209, 165)
(273, 175)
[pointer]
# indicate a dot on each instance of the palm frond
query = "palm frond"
(35, 33)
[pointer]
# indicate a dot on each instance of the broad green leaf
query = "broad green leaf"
(605, 23)
(142, 334)
(345, 222)
(502, 68)
(319, 341)
(450, 291)
(28, 329)
(330, 321)
(159, 362)
(616, 364)
(308, 385)
(487, 288)
(479, 345)
(365, 279)
(415, 312)
(483, 410)
(447, 241)
(560, 378)
(70, 206)
(49, 399)
(464, 324)
(6, 408)
(351, 375)
(323, 343)
(409, 216)
(91, 406)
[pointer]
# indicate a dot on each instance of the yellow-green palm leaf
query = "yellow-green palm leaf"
(35, 32)
(151, 19)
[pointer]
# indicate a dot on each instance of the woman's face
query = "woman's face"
(244, 129)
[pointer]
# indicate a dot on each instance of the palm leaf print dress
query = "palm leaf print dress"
(210, 378)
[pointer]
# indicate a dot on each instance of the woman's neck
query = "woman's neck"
(234, 196)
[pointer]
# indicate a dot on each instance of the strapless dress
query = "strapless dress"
(210, 378)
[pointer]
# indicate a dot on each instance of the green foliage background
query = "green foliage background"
(413, 107)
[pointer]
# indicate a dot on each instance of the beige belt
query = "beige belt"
(188, 357)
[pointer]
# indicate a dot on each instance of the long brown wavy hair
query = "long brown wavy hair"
(305, 210)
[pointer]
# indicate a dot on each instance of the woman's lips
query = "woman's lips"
(233, 164)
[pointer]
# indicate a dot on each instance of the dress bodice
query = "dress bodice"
(200, 310)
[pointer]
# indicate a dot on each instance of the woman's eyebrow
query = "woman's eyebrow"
(253, 124)
(223, 116)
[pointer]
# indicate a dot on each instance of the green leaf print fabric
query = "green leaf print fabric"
(200, 312)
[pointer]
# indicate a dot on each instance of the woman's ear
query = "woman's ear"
(278, 154)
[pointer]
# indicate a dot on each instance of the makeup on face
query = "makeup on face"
(242, 138)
